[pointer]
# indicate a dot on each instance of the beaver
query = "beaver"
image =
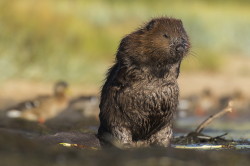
(140, 94)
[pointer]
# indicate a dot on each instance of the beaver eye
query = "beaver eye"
(166, 35)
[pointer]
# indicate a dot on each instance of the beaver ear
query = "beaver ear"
(151, 25)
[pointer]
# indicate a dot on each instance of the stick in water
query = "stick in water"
(212, 117)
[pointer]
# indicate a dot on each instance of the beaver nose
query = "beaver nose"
(179, 48)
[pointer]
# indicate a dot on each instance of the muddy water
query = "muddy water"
(18, 146)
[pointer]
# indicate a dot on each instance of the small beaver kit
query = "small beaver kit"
(140, 95)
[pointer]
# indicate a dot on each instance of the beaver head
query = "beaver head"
(160, 42)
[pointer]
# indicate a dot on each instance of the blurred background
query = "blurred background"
(42, 42)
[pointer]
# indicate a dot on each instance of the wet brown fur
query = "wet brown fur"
(140, 94)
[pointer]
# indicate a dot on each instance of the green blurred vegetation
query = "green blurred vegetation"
(77, 40)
